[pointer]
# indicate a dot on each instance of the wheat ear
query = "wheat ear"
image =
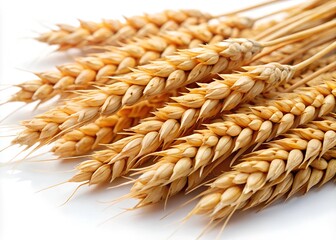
(174, 71)
(149, 80)
(99, 67)
(113, 32)
(285, 167)
(175, 119)
(104, 130)
(171, 121)
(201, 152)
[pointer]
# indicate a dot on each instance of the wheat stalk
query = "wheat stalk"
(296, 52)
(273, 169)
(327, 75)
(315, 66)
(300, 18)
(113, 32)
(203, 151)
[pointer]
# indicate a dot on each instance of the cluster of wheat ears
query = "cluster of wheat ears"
(180, 100)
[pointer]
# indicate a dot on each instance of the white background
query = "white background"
(25, 214)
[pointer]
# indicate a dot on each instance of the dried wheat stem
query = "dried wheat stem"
(281, 50)
(112, 32)
(300, 13)
(245, 9)
(309, 46)
(314, 15)
(320, 79)
(303, 34)
(312, 76)
(300, 152)
(316, 56)
(288, 52)
(203, 151)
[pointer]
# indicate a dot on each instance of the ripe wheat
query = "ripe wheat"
(146, 82)
(172, 121)
(100, 67)
(186, 67)
(201, 152)
(253, 107)
(285, 166)
(113, 32)
(104, 130)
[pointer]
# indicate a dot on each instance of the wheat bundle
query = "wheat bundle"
(243, 103)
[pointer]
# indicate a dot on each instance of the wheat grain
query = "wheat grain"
(148, 139)
(301, 157)
(318, 173)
